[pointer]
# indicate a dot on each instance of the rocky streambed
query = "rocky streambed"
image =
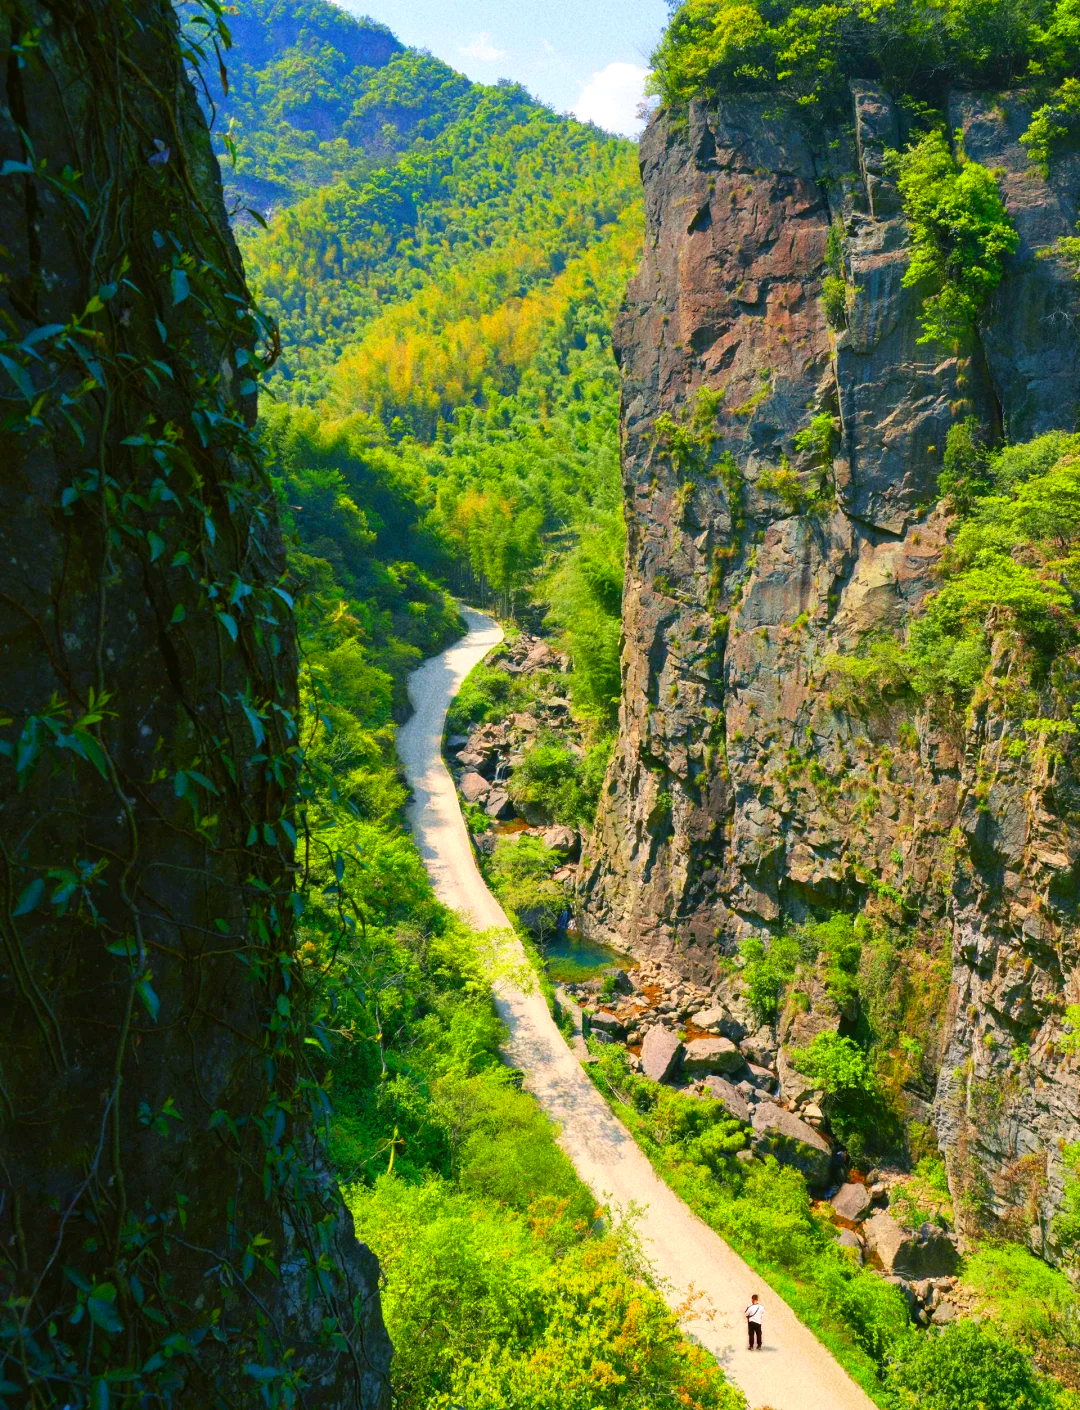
(683, 1035)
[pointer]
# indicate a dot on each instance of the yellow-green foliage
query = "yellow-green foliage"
(492, 1303)
(1053, 124)
(807, 52)
(1034, 1305)
(961, 235)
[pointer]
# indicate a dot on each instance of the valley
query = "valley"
(538, 748)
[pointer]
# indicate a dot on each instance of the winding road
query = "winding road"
(700, 1276)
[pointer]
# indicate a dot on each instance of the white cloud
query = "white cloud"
(611, 99)
(549, 48)
(480, 47)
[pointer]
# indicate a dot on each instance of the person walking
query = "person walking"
(753, 1322)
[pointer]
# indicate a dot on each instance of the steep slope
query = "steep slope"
(780, 477)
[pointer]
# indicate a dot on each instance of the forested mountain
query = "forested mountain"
(387, 179)
(444, 261)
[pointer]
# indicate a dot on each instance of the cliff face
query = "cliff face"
(744, 793)
(161, 1195)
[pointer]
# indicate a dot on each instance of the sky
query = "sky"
(589, 57)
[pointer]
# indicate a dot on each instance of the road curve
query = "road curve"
(793, 1371)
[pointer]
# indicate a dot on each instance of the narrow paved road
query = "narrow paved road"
(793, 1371)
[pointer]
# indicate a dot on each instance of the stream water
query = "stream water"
(571, 958)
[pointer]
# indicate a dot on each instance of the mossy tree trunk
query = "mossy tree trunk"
(167, 1235)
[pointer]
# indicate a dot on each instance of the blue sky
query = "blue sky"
(582, 56)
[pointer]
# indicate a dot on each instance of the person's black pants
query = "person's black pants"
(754, 1328)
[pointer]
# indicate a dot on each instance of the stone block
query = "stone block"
(851, 1201)
(793, 1142)
(474, 787)
(711, 1055)
(732, 1098)
(927, 1252)
(661, 1053)
(499, 806)
(605, 1021)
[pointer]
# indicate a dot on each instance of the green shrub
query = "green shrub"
(485, 694)
(853, 1098)
(520, 870)
(766, 972)
(961, 235)
(967, 1367)
(965, 472)
(488, 1307)
(560, 785)
(1052, 125)
(1066, 1227)
(1033, 1305)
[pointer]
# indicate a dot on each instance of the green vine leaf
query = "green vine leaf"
(180, 286)
(29, 897)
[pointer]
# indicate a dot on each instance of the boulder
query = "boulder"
(761, 1077)
(623, 983)
(499, 805)
(795, 1087)
(711, 1018)
(561, 839)
(706, 1055)
(660, 1053)
(851, 1202)
(606, 1022)
(474, 787)
(456, 743)
(732, 1098)
(482, 760)
(539, 657)
(944, 1313)
(847, 1238)
(793, 1142)
(760, 1046)
(927, 1252)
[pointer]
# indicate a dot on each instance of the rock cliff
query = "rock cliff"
(780, 486)
(162, 1199)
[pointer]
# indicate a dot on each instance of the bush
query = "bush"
(520, 870)
(485, 694)
(489, 1307)
(967, 1367)
(557, 785)
(961, 235)
(853, 1099)
(766, 973)
(1066, 1227)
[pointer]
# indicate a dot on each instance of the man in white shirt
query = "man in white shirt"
(753, 1322)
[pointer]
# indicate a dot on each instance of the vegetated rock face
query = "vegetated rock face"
(156, 1143)
(745, 790)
